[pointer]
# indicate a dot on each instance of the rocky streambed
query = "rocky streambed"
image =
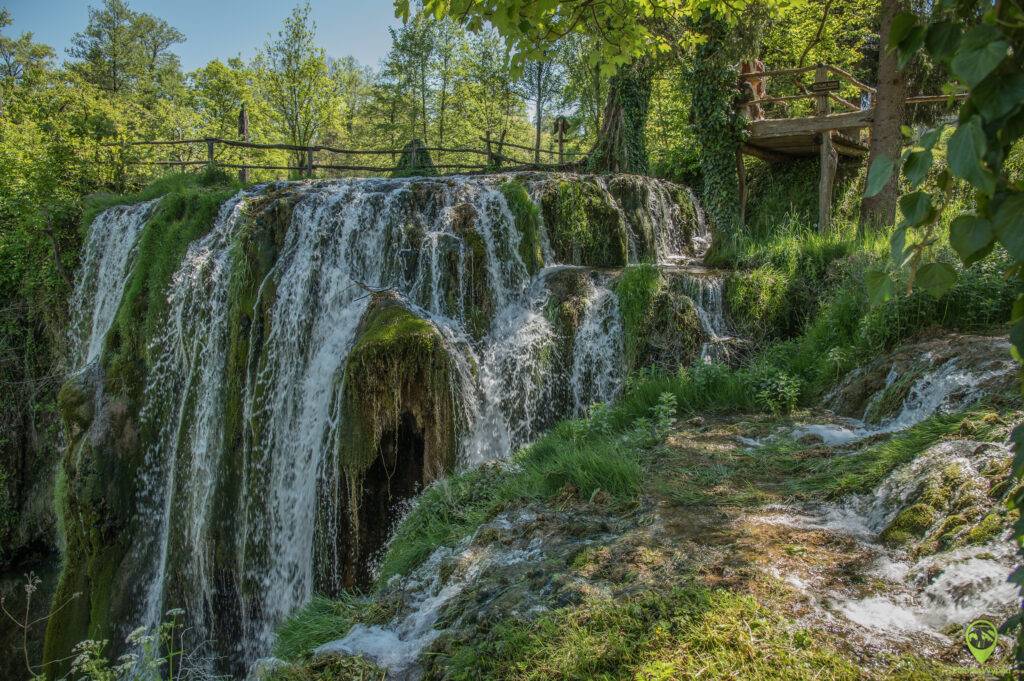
(862, 554)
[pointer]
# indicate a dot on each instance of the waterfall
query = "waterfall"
(597, 361)
(707, 293)
(243, 402)
(107, 257)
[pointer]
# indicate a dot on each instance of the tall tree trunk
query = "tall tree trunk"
(713, 90)
(886, 139)
(621, 147)
(539, 91)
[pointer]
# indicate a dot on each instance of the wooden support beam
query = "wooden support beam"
(782, 127)
(829, 161)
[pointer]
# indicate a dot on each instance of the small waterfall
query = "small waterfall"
(107, 258)
(242, 405)
(941, 390)
(707, 293)
(597, 366)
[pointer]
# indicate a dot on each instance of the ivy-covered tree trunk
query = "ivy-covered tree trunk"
(621, 147)
(886, 139)
(718, 129)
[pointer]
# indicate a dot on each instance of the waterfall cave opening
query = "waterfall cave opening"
(395, 476)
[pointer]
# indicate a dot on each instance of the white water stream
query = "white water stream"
(107, 258)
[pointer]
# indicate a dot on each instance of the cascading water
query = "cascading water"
(597, 366)
(246, 380)
(107, 258)
(707, 293)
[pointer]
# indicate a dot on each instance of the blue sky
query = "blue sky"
(222, 28)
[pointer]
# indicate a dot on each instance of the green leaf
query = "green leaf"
(937, 278)
(999, 95)
(878, 175)
(879, 285)
(966, 150)
(1017, 337)
(916, 207)
(897, 245)
(942, 39)
(910, 45)
(917, 166)
(980, 52)
(1009, 225)
(930, 137)
(970, 236)
(901, 27)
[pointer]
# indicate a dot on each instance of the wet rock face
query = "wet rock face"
(878, 389)
(400, 431)
(96, 500)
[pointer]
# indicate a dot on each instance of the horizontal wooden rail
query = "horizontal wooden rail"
(549, 152)
(935, 99)
(290, 147)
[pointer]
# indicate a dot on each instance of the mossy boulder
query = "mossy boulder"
(527, 221)
(913, 521)
(400, 426)
(583, 225)
(660, 321)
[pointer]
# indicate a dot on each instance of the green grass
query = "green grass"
(320, 621)
(683, 633)
(573, 457)
(171, 183)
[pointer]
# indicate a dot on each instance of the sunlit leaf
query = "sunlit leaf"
(878, 175)
(966, 149)
(937, 278)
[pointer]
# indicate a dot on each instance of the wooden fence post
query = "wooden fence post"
(243, 134)
(309, 163)
(829, 157)
(490, 154)
(209, 152)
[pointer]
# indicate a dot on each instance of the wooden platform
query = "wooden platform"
(780, 139)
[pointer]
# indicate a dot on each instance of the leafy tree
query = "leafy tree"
(296, 83)
(122, 50)
(21, 59)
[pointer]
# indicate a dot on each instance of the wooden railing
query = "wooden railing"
(824, 89)
(492, 159)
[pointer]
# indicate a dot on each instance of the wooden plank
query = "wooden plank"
(769, 155)
(935, 99)
(781, 127)
(778, 72)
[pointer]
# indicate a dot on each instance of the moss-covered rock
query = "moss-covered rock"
(415, 161)
(527, 220)
(660, 322)
(583, 225)
(401, 421)
(913, 521)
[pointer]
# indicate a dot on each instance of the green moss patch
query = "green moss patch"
(583, 226)
(686, 632)
(527, 220)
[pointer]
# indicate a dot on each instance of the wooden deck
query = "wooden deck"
(779, 139)
(826, 135)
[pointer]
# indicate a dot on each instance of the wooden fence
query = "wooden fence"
(497, 155)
